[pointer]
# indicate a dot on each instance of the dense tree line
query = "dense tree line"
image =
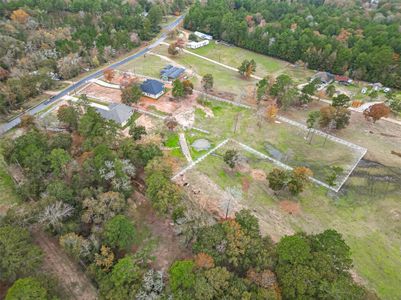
(76, 185)
(364, 44)
(42, 41)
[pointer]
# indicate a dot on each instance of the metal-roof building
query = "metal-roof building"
(203, 35)
(152, 88)
(170, 72)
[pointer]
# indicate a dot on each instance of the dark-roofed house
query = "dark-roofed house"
(117, 112)
(170, 72)
(152, 88)
(324, 77)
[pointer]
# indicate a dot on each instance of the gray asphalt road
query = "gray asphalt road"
(45, 104)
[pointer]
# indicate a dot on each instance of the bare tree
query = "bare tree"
(55, 213)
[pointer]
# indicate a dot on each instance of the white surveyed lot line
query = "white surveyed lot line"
(200, 159)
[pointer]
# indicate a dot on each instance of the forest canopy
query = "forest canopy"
(355, 40)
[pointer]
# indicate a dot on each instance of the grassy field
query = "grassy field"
(367, 213)
(265, 65)
(149, 65)
(225, 80)
(281, 141)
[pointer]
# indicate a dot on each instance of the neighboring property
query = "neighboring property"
(117, 112)
(203, 36)
(344, 80)
(196, 45)
(376, 86)
(152, 88)
(324, 77)
(170, 73)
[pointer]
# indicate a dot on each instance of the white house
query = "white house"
(203, 36)
(196, 45)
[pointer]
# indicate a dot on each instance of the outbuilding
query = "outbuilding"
(170, 73)
(203, 36)
(196, 45)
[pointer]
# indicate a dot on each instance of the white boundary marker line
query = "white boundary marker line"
(194, 163)
(264, 156)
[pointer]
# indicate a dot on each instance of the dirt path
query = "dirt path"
(56, 262)
(184, 147)
(168, 247)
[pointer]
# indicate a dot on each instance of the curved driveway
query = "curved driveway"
(45, 104)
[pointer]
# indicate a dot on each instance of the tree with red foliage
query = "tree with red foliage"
(376, 112)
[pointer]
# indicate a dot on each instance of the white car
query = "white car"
(364, 90)
(386, 90)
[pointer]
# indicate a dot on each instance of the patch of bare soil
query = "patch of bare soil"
(102, 93)
(76, 284)
(169, 247)
(208, 195)
(225, 95)
(290, 207)
(273, 223)
(185, 117)
(258, 175)
(146, 121)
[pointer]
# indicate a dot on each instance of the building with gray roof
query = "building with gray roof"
(117, 112)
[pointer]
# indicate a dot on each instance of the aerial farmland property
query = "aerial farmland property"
(201, 151)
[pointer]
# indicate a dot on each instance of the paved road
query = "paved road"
(45, 104)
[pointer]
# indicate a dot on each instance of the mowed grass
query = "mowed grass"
(367, 219)
(225, 80)
(265, 65)
(149, 65)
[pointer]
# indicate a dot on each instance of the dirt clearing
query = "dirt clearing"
(76, 284)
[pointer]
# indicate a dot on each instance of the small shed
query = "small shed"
(196, 45)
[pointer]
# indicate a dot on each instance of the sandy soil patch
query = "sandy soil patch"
(258, 175)
(145, 121)
(70, 276)
(208, 195)
(290, 207)
(169, 247)
(101, 93)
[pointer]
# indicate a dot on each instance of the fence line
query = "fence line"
(282, 165)
(200, 159)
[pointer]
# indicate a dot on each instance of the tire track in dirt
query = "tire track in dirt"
(76, 284)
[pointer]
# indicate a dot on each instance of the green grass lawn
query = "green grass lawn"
(265, 65)
(225, 80)
(281, 141)
(149, 65)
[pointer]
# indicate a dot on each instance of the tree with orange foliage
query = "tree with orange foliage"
(20, 16)
(271, 112)
(203, 260)
(376, 112)
(27, 121)
(109, 74)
